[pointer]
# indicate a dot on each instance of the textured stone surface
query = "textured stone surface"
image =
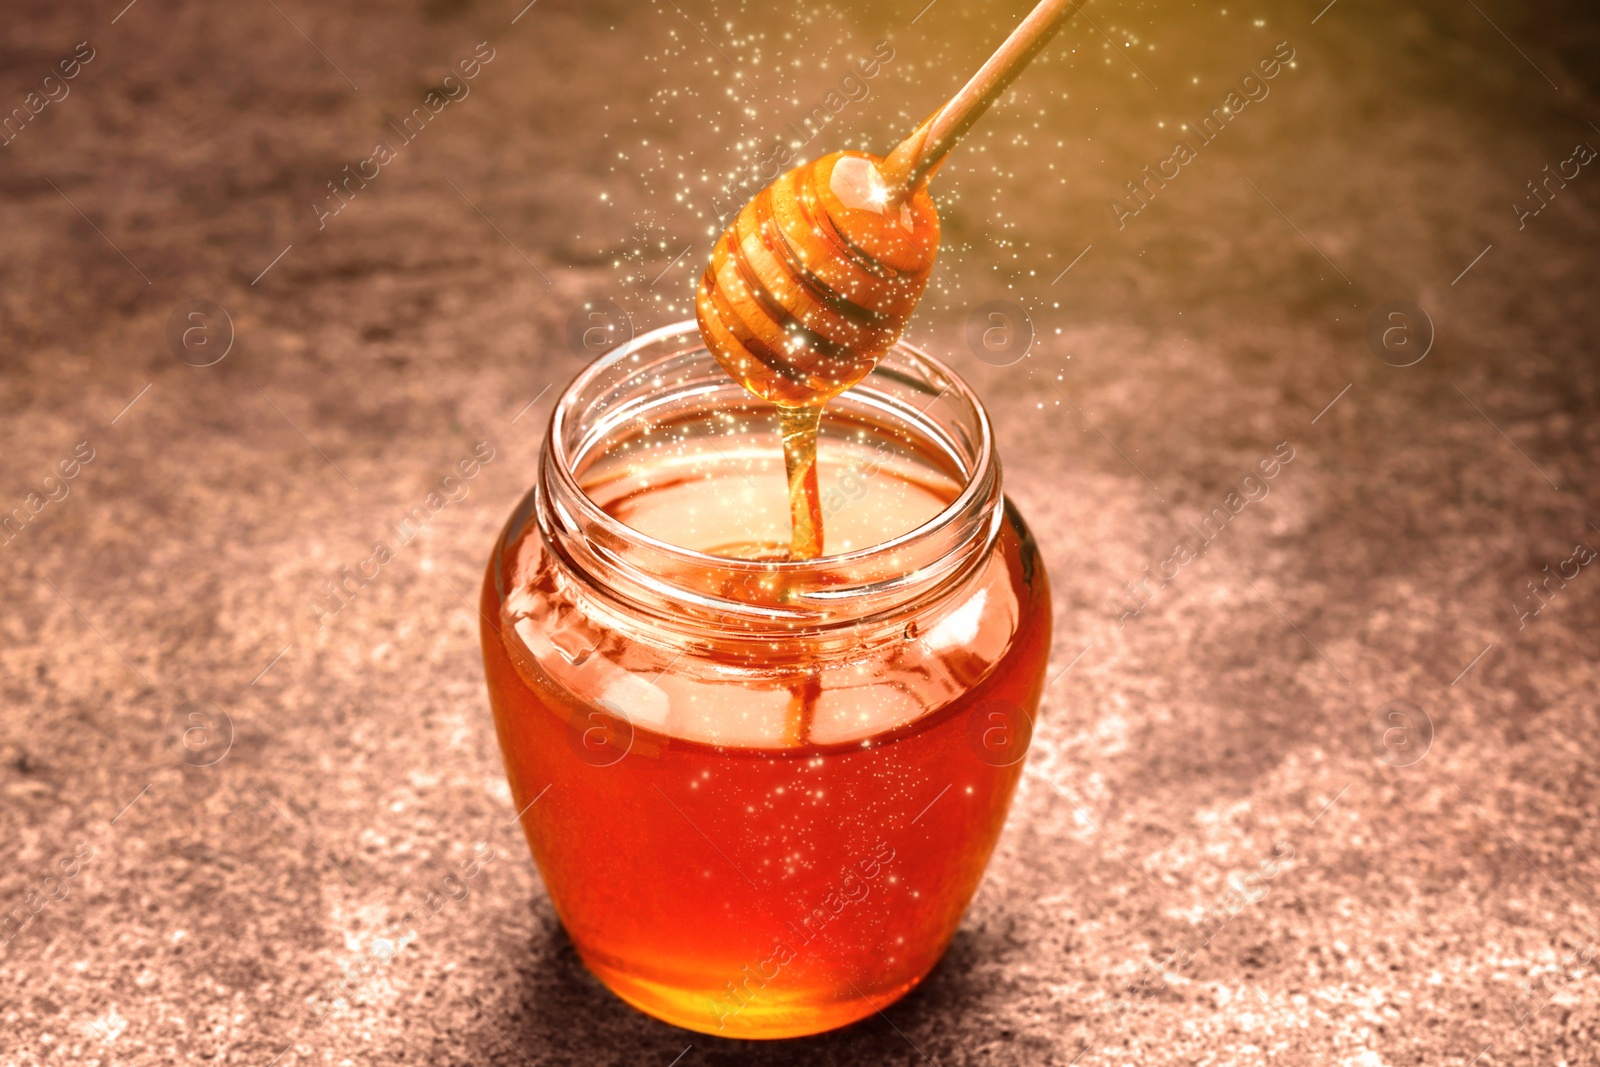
(1429, 912)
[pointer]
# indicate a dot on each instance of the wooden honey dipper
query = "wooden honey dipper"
(819, 273)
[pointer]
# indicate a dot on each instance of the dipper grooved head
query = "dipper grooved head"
(816, 278)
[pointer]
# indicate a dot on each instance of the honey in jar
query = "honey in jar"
(761, 790)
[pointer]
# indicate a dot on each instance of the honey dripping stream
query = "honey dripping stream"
(799, 424)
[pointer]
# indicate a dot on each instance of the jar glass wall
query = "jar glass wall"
(760, 792)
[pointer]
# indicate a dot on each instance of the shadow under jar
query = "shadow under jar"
(760, 792)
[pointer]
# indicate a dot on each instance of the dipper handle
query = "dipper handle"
(930, 142)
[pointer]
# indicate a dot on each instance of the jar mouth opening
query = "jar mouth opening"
(908, 389)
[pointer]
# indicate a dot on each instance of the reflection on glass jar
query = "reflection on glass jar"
(761, 793)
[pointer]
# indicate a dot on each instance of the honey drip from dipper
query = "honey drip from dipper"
(806, 291)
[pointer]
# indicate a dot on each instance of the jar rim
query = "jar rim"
(971, 516)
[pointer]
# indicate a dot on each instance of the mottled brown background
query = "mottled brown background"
(1440, 913)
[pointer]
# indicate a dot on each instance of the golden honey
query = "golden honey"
(761, 791)
(764, 743)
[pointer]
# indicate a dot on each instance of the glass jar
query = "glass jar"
(760, 792)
